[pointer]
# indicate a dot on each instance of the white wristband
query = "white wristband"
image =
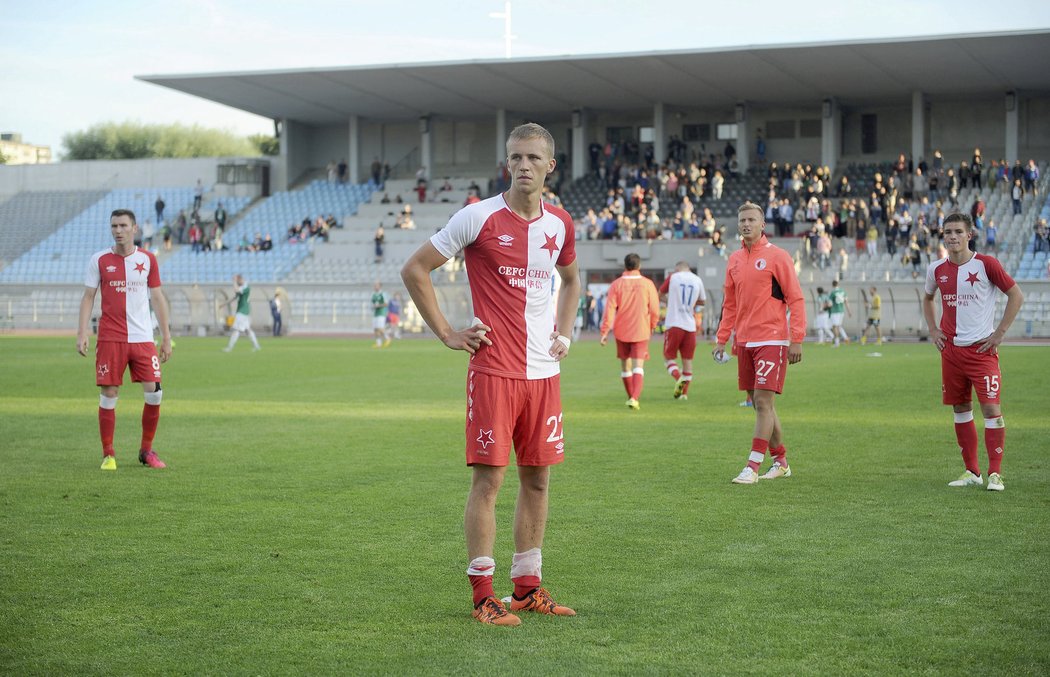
(564, 340)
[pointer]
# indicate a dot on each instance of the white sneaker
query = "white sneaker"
(995, 482)
(746, 476)
(776, 470)
(967, 479)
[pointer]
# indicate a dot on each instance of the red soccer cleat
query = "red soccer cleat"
(149, 457)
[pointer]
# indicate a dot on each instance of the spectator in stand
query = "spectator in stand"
(920, 186)
(717, 185)
(844, 188)
(405, 220)
(159, 206)
(1031, 177)
(977, 169)
(1040, 241)
(872, 241)
(221, 216)
(717, 244)
(760, 147)
(913, 255)
(823, 248)
(266, 244)
(198, 195)
(952, 186)
(729, 153)
(1017, 172)
(1017, 194)
(893, 232)
(342, 173)
(787, 217)
(379, 238)
(180, 227)
(991, 235)
(196, 234)
(148, 231)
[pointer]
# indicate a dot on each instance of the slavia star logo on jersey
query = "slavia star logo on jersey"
(551, 245)
(760, 264)
(972, 277)
(140, 267)
(103, 369)
(485, 438)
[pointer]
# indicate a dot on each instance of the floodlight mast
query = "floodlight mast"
(508, 35)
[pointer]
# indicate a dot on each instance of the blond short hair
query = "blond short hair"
(531, 130)
(750, 205)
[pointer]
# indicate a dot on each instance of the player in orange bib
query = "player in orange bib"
(761, 294)
(632, 310)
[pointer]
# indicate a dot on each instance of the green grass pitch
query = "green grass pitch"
(310, 521)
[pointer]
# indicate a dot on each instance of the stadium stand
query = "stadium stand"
(61, 257)
(269, 217)
(29, 217)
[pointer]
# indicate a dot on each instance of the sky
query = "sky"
(65, 66)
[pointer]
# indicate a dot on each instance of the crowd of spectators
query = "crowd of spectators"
(310, 228)
(900, 209)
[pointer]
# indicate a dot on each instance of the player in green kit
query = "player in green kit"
(839, 309)
(242, 319)
(379, 308)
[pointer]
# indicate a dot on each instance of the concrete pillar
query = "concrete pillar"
(1013, 108)
(501, 136)
(581, 162)
(830, 133)
(279, 179)
(918, 127)
(353, 158)
(742, 113)
(659, 132)
(425, 145)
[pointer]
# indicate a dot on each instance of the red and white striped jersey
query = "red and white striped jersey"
(125, 282)
(510, 263)
(967, 296)
(684, 289)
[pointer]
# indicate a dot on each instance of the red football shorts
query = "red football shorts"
(637, 350)
(762, 368)
(678, 340)
(505, 411)
(113, 357)
(963, 370)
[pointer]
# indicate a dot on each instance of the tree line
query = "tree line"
(133, 140)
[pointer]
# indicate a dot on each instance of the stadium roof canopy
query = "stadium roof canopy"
(853, 72)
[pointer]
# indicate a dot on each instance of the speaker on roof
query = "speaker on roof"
(1011, 101)
(424, 124)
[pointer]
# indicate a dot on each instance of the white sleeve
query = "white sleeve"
(460, 231)
(92, 278)
(931, 284)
